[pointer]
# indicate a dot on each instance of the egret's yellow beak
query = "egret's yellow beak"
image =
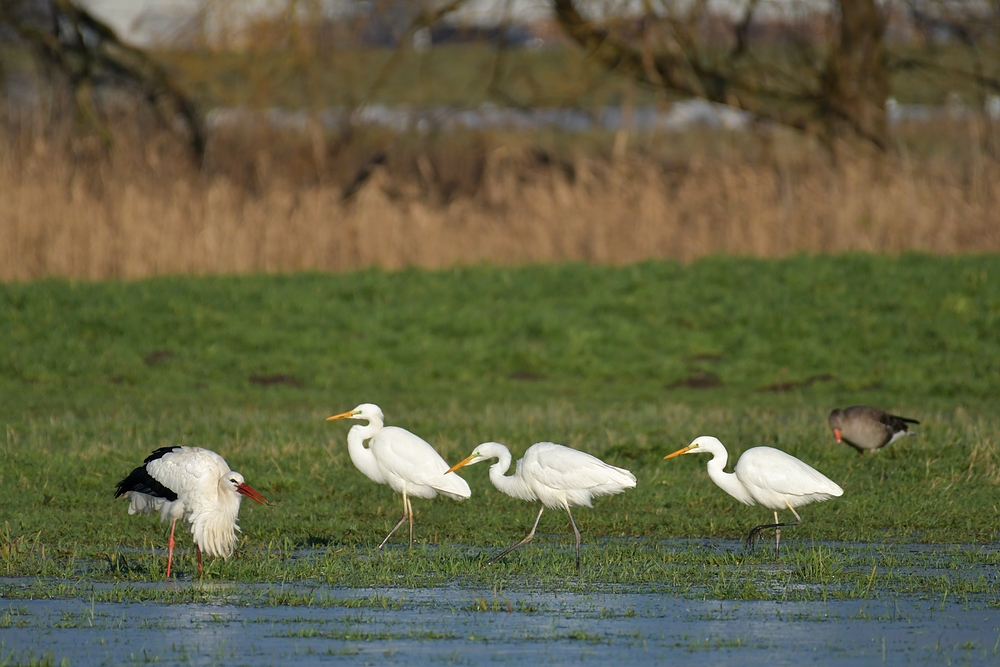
(464, 462)
(343, 415)
(679, 452)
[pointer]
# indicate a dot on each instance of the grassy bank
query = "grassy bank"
(627, 363)
(913, 331)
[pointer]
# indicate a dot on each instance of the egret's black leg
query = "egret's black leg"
(409, 512)
(577, 533)
(755, 533)
(519, 544)
(406, 515)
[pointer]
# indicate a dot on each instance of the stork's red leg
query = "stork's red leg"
(198, 549)
(170, 547)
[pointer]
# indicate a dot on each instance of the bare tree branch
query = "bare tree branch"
(848, 91)
(426, 17)
(86, 50)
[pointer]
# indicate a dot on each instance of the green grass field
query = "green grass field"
(93, 376)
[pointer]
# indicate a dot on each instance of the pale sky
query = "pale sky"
(143, 22)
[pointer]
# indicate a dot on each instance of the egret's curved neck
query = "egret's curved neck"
(362, 456)
(727, 481)
(498, 471)
(513, 485)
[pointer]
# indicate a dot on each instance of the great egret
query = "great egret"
(868, 429)
(558, 476)
(193, 484)
(767, 476)
(404, 461)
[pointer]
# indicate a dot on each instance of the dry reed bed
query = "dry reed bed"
(142, 211)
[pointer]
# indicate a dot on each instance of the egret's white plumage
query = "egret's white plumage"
(403, 461)
(558, 476)
(766, 476)
(195, 485)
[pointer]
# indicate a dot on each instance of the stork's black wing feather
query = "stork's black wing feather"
(140, 481)
(160, 453)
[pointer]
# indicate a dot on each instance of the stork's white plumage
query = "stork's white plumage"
(195, 485)
(400, 459)
(559, 476)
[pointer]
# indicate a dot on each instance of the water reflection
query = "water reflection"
(438, 624)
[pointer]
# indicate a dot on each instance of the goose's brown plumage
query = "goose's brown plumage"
(868, 429)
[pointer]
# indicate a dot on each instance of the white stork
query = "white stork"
(193, 484)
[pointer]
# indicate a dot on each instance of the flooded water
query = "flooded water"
(459, 625)
(464, 624)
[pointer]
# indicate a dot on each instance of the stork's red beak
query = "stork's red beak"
(836, 434)
(249, 492)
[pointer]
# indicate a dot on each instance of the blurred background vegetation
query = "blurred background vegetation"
(217, 136)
